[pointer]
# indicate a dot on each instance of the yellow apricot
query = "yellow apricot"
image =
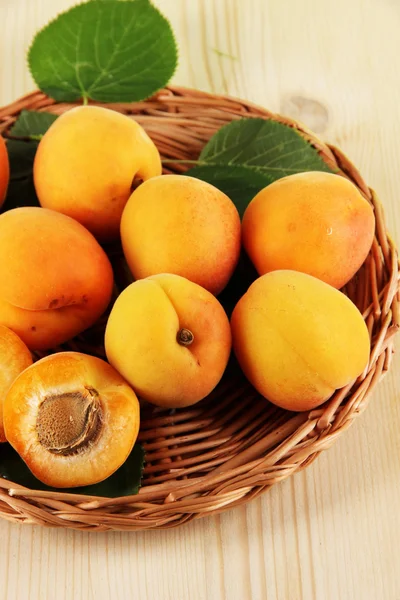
(169, 338)
(298, 339)
(86, 163)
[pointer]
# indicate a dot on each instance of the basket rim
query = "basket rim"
(249, 473)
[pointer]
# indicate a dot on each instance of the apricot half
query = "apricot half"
(298, 339)
(4, 170)
(314, 222)
(86, 163)
(178, 224)
(72, 418)
(169, 338)
(55, 279)
(14, 358)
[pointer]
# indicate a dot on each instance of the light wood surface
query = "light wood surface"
(331, 532)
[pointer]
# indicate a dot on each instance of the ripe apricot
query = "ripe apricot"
(4, 170)
(14, 358)
(55, 279)
(86, 163)
(298, 339)
(169, 338)
(181, 225)
(72, 418)
(314, 222)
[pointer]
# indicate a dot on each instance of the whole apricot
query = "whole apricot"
(14, 358)
(4, 170)
(298, 339)
(169, 338)
(55, 279)
(181, 225)
(86, 164)
(314, 222)
(72, 418)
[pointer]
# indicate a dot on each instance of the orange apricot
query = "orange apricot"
(72, 418)
(314, 222)
(4, 170)
(181, 225)
(55, 279)
(14, 358)
(86, 164)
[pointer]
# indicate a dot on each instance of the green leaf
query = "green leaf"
(21, 191)
(246, 155)
(32, 124)
(241, 184)
(124, 482)
(104, 50)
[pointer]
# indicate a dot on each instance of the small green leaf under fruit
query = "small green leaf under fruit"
(32, 124)
(21, 191)
(124, 482)
(104, 50)
(246, 155)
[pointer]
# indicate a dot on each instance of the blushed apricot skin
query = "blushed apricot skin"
(317, 223)
(86, 163)
(298, 339)
(181, 225)
(55, 279)
(4, 171)
(14, 358)
(68, 372)
(141, 340)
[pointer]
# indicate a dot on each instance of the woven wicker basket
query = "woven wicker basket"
(234, 445)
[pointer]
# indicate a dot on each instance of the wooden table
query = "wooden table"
(331, 532)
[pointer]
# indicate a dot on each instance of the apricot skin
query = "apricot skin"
(86, 163)
(63, 373)
(55, 279)
(141, 340)
(14, 358)
(181, 225)
(298, 339)
(317, 223)
(4, 170)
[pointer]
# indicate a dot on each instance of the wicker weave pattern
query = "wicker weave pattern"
(234, 445)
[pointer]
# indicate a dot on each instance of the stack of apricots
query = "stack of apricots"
(74, 418)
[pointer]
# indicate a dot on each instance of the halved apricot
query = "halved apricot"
(14, 358)
(72, 418)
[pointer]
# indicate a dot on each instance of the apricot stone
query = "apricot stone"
(169, 338)
(86, 163)
(298, 339)
(181, 225)
(14, 358)
(72, 418)
(314, 222)
(4, 170)
(55, 279)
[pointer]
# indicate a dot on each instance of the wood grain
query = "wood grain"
(332, 531)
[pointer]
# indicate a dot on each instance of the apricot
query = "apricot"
(181, 225)
(86, 164)
(169, 338)
(14, 358)
(314, 222)
(298, 339)
(55, 279)
(72, 418)
(4, 170)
